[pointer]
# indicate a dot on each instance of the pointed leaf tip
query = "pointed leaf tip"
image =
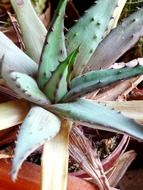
(54, 48)
(29, 22)
(125, 35)
(89, 31)
(93, 80)
(57, 86)
(26, 87)
(92, 114)
(39, 126)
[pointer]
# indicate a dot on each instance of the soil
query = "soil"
(132, 180)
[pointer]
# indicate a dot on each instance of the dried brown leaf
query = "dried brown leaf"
(120, 167)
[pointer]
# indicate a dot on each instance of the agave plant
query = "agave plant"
(66, 72)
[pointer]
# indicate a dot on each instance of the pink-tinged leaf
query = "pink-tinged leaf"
(120, 167)
(109, 161)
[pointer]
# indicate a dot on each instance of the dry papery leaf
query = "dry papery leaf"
(120, 167)
(117, 91)
(78, 140)
(46, 16)
(17, 31)
(55, 158)
(5, 90)
(12, 113)
(131, 109)
(110, 160)
(81, 151)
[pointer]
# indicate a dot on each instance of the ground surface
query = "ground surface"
(133, 180)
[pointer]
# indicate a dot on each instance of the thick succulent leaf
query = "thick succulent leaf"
(14, 59)
(93, 80)
(117, 42)
(39, 126)
(57, 85)
(54, 48)
(91, 113)
(31, 26)
(26, 87)
(89, 30)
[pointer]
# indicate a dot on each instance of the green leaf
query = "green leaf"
(90, 114)
(93, 80)
(57, 85)
(26, 87)
(38, 127)
(117, 42)
(33, 30)
(89, 31)
(54, 48)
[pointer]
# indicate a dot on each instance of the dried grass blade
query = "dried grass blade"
(12, 113)
(131, 109)
(120, 167)
(55, 160)
(81, 151)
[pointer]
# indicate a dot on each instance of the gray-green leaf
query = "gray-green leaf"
(91, 113)
(93, 80)
(89, 31)
(54, 48)
(39, 126)
(117, 42)
(26, 87)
